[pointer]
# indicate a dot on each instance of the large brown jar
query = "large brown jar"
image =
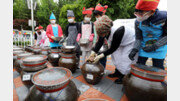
(19, 61)
(53, 84)
(36, 49)
(92, 72)
(45, 51)
(32, 64)
(68, 58)
(17, 49)
(54, 56)
(29, 48)
(145, 83)
(15, 55)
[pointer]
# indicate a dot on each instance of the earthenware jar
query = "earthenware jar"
(45, 51)
(92, 72)
(145, 83)
(68, 58)
(32, 64)
(29, 48)
(19, 61)
(53, 84)
(54, 56)
(15, 55)
(36, 50)
(17, 49)
(94, 99)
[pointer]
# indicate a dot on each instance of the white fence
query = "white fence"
(22, 40)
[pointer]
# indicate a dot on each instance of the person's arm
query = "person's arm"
(163, 40)
(60, 31)
(92, 28)
(79, 28)
(137, 43)
(48, 32)
(95, 36)
(116, 41)
(66, 33)
(35, 38)
(139, 37)
(98, 44)
(79, 32)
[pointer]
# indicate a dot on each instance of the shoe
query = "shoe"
(115, 74)
(119, 80)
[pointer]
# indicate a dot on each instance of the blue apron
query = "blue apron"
(55, 32)
(151, 34)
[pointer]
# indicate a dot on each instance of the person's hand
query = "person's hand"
(150, 48)
(52, 37)
(78, 37)
(92, 56)
(97, 58)
(132, 54)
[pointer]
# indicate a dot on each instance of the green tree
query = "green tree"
(116, 8)
(20, 10)
(77, 9)
(45, 8)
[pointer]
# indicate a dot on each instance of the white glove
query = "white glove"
(52, 37)
(97, 58)
(92, 56)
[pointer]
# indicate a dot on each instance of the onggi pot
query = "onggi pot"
(68, 58)
(53, 84)
(15, 55)
(45, 51)
(36, 50)
(32, 64)
(54, 56)
(92, 72)
(19, 61)
(145, 83)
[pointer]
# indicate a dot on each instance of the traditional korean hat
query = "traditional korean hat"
(52, 16)
(147, 4)
(87, 11)
(103, 25)
(40, 27)
(101, 8)
(70, 13)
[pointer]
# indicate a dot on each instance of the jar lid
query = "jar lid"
(36, 47)
(95, 99)
(34, 68)
(52, 79)
(148, 72)
(46, 48)
(24, 55)
(55, 51)
(17, 48)
(68, 49)
(34, 59)
(18, 52)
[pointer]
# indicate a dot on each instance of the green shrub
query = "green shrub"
(21, 43)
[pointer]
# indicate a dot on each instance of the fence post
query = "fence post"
(18, 39)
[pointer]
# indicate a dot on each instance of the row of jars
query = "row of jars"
(142, 84)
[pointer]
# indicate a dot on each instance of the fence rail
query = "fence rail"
(22, 40)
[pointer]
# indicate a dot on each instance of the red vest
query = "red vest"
(49, 32)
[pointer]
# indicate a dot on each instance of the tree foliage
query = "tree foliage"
(116, 9)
